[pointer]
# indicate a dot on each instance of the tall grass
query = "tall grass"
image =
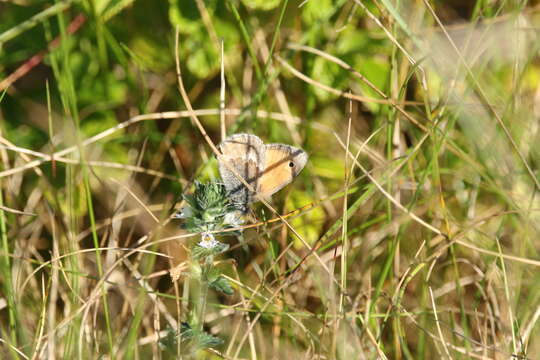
(411, 233)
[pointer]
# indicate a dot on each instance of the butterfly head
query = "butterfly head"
(296, 160)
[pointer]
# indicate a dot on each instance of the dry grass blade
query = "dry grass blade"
(387, 195)
(484, 98)
(411, 233)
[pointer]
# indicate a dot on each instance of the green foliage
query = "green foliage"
(222, 285)
(209, 208)
(202, 51)
(438, 235)
(315, 12)
(208, 248)
(308, 226)
(191, 340)
(261, 4)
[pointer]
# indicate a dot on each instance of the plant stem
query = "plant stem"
(202, 303)
(203, 294)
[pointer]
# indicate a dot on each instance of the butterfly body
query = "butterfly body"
(267, 168)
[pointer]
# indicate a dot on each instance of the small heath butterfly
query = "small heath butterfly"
(266, 167)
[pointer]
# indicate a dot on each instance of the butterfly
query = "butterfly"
(267, 168)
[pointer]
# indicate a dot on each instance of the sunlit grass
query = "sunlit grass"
(410, 234)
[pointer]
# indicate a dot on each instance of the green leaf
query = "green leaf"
(329, 74)
(206, 340)
(315, 11)
(200, 252)
(261, 4)
(192, 340)
(185, 15)
(200, 52)
(330, 168)
(109, 8)
(222, 285)
(144, 50)
(209, 208)
(203, 58)
(310, 224)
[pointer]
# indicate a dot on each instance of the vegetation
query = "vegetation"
(412, 233)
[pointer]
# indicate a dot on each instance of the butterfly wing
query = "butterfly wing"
(244, 153)
(282, 164)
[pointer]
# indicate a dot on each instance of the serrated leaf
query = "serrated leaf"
(199, 252)
(191, 338)
(209, 209)
(206, 340)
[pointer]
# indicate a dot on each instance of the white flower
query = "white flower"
(208, 241)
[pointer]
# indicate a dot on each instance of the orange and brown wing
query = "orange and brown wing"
(282, 164)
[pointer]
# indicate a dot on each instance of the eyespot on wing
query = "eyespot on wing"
(283, 164)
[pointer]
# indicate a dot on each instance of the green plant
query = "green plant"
(208, 211)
